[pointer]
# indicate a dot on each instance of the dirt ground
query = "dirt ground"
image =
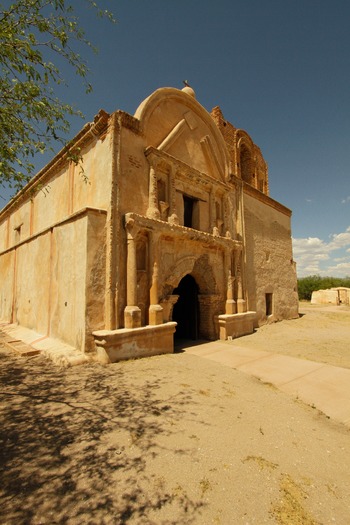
(174, 439)
(322, 333)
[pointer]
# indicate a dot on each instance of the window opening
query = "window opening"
(189, 204)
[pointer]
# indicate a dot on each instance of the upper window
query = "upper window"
(190, 212)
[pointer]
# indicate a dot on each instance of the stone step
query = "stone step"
(19, 347)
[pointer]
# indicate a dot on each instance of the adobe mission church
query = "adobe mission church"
(173, 235)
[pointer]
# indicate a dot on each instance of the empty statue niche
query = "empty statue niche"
(142, 276)
(163, 201)
(219, 215)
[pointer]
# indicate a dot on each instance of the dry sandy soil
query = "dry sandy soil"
(174, 439)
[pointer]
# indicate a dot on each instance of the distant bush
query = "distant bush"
(306, 285)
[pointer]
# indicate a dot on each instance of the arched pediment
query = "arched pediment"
(174, 122)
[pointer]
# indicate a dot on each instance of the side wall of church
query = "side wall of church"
(269, 262)
(55, 281)
(52, 250)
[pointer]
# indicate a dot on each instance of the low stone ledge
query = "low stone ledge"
(236, 325)
(131, 343)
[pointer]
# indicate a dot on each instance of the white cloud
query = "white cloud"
(345, 201)
(340, 240)
(341, 270)
(312, 253)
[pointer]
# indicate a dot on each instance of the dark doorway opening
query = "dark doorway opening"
(186, 311)
(268, 301)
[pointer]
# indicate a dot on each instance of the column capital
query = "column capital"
(130, 225)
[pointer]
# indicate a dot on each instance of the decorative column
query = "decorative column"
(132, 313)
(155, 312)
(239, 210)
(153, 210)
(231, 307)
(241, 304)
(173, 217)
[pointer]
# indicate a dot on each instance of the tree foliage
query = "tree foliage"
(35, 37)
(311, 283)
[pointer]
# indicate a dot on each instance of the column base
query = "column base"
(155, 314)
(173, 219)
(153, 213)
(132, 317)
(241, 306)
(231, 306)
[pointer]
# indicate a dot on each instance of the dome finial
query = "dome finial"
(187, 89)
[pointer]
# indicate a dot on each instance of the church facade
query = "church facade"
(170, 233)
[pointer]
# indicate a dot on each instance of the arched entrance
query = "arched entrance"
(186, 311)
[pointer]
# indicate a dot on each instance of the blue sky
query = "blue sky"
(280, 69)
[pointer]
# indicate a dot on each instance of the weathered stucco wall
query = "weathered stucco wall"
(65, 190)
(91, 188)
(54, 283)
(95, 285)
(269, 260)
(330, 296)
(133, 181)
(32, 274)
(7, 266)
(53, 244)
(67, 317)
(338, 295)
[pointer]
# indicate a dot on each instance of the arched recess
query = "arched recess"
(246, 157)
(246, 164)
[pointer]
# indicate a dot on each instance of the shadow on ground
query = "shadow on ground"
(74, 444)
